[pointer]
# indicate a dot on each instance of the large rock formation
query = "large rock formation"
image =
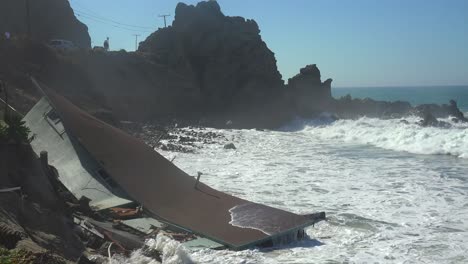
(50, 19)
(206, 66)
(228, 64)
(309, 94)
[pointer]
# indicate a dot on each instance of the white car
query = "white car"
(61, 44)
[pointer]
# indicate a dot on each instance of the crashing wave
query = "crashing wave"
(394, 134)
(172, 252)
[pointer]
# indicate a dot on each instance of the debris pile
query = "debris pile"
(115, 192)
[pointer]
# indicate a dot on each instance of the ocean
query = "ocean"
(393, 192)
(415, 95)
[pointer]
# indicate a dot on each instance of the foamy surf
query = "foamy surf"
(384, 204)
(392, 134)
(172, 252)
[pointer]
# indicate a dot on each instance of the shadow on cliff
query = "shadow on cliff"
(208, 68)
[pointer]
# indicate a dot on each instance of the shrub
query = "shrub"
(16, 130)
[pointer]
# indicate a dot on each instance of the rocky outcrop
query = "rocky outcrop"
(348, 107)
(205, 67)
(430, 121)
(50, 19)
(443, 110)
(224, 58)
(309, 95)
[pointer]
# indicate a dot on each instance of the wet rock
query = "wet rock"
(455, 111)
(443, 110)
(404, 121)
(230, 146)
(348, 107)
(430, 121)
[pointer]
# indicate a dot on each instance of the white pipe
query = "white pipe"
(10, 189)
(109, 252)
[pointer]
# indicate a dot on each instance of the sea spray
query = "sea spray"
(171, 252)
(393, 134)
(382, 205)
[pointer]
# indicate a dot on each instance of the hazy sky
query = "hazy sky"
(355, 42)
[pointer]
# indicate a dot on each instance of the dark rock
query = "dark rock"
(441, 111)
(50, 19)
(430, 120)
(230, 146)
(307, 92)
(227, 66)
(347, 107)
(403, 121)
(455, 112)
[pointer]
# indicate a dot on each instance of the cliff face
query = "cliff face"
(309, 95)
(50, 19)
(224, 57)
(206, 65)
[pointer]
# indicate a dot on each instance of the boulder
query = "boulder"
(429, 120)
(230, 146)
(50, 19)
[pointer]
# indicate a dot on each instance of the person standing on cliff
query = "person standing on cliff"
(106, 44)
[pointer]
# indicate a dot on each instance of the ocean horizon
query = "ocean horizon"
(415, 95)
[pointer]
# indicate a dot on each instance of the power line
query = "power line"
(91, 13)
(84, 7)
(164, 16)
(136, 41)
(111, 20)
(110, 24)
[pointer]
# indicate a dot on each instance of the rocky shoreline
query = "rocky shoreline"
(205, 70)
(207, 67)
(175, 136)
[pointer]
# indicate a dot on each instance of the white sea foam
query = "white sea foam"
(384, 204)
(172, 253)
(393, 134)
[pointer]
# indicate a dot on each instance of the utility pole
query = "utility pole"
(164, 16)
(136, 41)
(28, 18)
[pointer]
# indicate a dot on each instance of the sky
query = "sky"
(357, 43)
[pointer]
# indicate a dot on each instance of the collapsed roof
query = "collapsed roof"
(166, 191)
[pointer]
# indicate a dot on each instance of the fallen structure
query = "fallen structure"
(108, 168)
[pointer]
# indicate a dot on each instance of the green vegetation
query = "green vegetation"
(24, 257)
(16, 257)
(14, 129)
